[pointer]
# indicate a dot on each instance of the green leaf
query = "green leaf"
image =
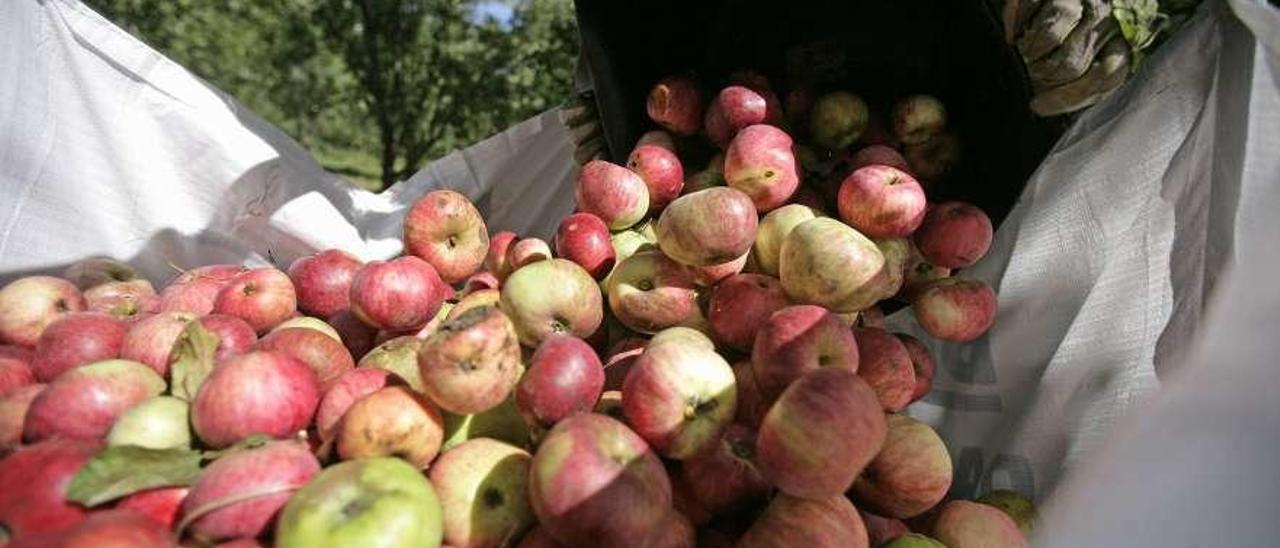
(191, 360)
(1138, 21)
(123, 470)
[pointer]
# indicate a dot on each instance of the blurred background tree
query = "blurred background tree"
(376, 89)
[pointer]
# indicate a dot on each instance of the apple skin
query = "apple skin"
(584, 239)
(933, 159)
(773, 230)
(33, 486)
(683, 502)
(502, 423)
(760, 163)
(594, 482)
(276, 467)
(676, 531)
(302, 322)
(911, 474)
(124, 299)
(708, 227)
(472, 363)
(95, 271)
(913, 540)
(612, 192)
(723, 477)
(881, 202)
(479, 281)
(649, 292)
(76, 339)
(675, 103)
(378, 501)
(398, 295)
(709, 276)
(392, 421)
(880, 155)
(564, 378)
(880, 529)
(235, 336)
(399, 356)
(733, 109)
(1015, 505)
(964, 524)
(657, 137)
(955, 309)
(323, 281)
(796, 340)
(837, 119)
(195, 291)
(263, 297)
(741, 305)
(15, 369)
(356, 335)
(619, 359)
(916, 274)
(161, 505)
(661, 171)
(484, 493)
(918, 118)
(538, 537)
(820, 434)
(29, 304)
(150, 340)
(886, 366)
(789, 522)
(345, 392)
(105, 528)
(610, 405)
(495, 260)
(258, 392)
(13, 413)
(921, 363)
(679, 397)
(444, 229)
(527, 250)
(752, 405)
(324, 355)
(827, 263)
(161, 422)
(554, 296)
(953, 235)
(84, 402)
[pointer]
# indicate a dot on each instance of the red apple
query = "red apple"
(878, 155)
(933, 159)
(733, 109)
(161, 505)
(538, 537)
(886, 366)
(356, 335)
(708, 227)
(918, 118)
(471, 364)
(619, 359)
(13, 414)
(740, 306)
(760, 163)
(594, 482)
(483, 489)
(649, 292)
(773, 230)
(676, 531)
(555, 296)
(263, 297)
(614, 193)
(724, 477)
(679, 396)
(392, 421)
(258, 392)
(882, 202)
(953, 235)
(324, 355)
(345, 392)
(683, 502)
(124, 299)
(33, 486)
(911, 474)
(676, 104)
(657, 137)
(921, 362)
(709, 276)
(478, 299)
(115, 527)
(661, 171)
(964, 524)
(478, 282)
(837, 119)
(871, 317)
(398, 295)
(15, 369)
(94, 271)
(760, 84)
(584, 239)
(789, 521)
(235, 336)
(881, 530)
(824, 262)
(74, 340)
(495, 260)
(820, 434)
(564, 378)
(796, 340)
(916, 274)
(84, 402)
(527, 250)
(150, 340)
(323, 281)
(752, 405)
(956, 309)
(274, 471)
(444, 229)
(28, 305)
(195, 291)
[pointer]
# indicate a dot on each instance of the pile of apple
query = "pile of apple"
(699, 362)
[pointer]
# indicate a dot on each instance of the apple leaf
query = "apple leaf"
(192, 359)
(123, 470)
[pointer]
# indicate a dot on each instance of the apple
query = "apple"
(953, 235)
(921, 363)
(676, 531)
(368, 502)
(964, 524)
(610, 405)
(740, 305)
(29, 304)
(661, 171)
(916, 274)
(495, 260)
(584, 239)
(83, 403)
(393, 421)
(797, 104)
(114, 527)
(33, 486)
(538, 537)
(619, 359)
(837, 120)
(307, 322)
(236, 336)
(733, 109)
(824, 262)
(13, 413)
(258, 392)
(612, 192)
(444, 229)
(657, 137)
(594, 482)
(1015, 505)
(161, 505)
(323, 281)
(752, 405)
(913, 540)
(911, 474)
(709, 276)
(195, 291)
(345, 392)
(820, 433)
(683, 502)
(806, 196)
(686, 336)
(723, 477)
(274, 470)
(886, 366)
(679, 397)
(675, 103)
(703, 180)
(708, 227)
(881, 202)
(324, 355)
(95, 271)
(796, 340)
(773, 230)
(760, 84)
(76, 339)
(933, 159)
(356, 335)
(478, 282)
(399, 356)
(564, 378)
(555, 296)
(150, 340)
(870, 317)
(472, 363)
(878, 155)
(160, 422)
(649, 292)
(124, 299)
(442, 316)
(398, 295)
(15, 369)
(790, 521)
(880, 529)
(502, 423)
(526, 251)
(760, 163)
(262, 297)
(918, 118)
(484, 493)
(955, 309)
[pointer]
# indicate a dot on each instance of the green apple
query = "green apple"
(399, 356)
(161, 422)
(502, 423)
(380, 501)
(914, 540)
(1017, 506)
(484, 493)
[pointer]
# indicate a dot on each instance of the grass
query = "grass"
(357, 166)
